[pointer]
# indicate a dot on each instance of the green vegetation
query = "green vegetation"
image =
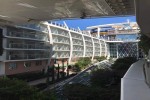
(100, 58)
(82, 63)
(144, 43)
(19, 90)
(121, 65)
(101, 77)
(28, 76)
(105, 83)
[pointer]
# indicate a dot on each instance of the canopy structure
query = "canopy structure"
(23, 11)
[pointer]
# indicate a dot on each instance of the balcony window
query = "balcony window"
(12, 66)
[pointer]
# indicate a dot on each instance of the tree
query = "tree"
(144, 43)
(101, 77)
(82, 92)
(19, 90)
(83, 62)
(100, 58)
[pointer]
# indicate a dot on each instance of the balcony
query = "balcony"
(122, 40)
(26, 56)
(42, 28)
(59, 32)
(27, 46)
(123, 32)
(133, 84)
(24, 35)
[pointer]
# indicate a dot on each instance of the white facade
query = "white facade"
(73, 43)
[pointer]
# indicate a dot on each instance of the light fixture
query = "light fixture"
(26, 5)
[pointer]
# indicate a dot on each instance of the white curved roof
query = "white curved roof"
(23, 11)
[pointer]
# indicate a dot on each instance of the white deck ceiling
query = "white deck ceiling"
(23, 11)
(17, 11)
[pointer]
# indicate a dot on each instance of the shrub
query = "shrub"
(82, 92)
(100, 58)
(144, 43)
(123, 63)
(83, 62)
(101, 77)
(28, 76)
(77, 67)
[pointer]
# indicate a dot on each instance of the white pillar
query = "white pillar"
(117, 50)
(83, 45)
(100, 48)
(71, 46)
(98, 32)
(93, 48)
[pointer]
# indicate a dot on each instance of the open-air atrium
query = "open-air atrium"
(31, 41)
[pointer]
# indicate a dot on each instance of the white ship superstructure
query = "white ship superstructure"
(121, 38)
(28, 47)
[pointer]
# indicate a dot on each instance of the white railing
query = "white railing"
(122, 39)
(26, 56)
(41, 37)
(42, 28)
(123, 32)
(27, 46)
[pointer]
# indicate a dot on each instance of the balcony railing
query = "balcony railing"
(41, 37)
(42, 28)
(123, 32)
(27, 46)
(122, 39)
(21, 57)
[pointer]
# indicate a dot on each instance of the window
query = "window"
(12, 66)
(27, 64)
(37, 63)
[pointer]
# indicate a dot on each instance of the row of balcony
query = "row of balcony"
(95, 40)
(87, 39)
(97, 45)
(77, 42)
(27, 46)
(77, 48)
(61, 40)
(59, 32)
(77, 54)
(87, 33)
(110, 39)
(39, 27)
(97, 49)
(61, 48)
(132, 31)
(25, 56)
(61, 55)
(87, 50)
(77, 36)
(57, 24)
(37, 36)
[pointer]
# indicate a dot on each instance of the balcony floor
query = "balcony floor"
(133, 86)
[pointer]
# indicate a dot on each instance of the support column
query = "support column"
(71, 43)
(98, 32)
(93, 48)
(117, 50)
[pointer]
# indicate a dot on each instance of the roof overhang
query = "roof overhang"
(143, 16)
(24, 11)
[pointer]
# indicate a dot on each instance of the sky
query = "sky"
(83, 23)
